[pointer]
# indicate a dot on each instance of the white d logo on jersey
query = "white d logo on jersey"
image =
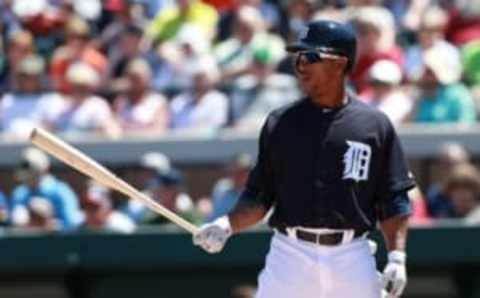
(357, 161)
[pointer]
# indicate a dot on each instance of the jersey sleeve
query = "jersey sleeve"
(259, 187)
(395, 178)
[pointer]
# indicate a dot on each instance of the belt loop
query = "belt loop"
(348, 236)
(291, 232)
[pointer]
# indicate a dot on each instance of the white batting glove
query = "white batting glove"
(395, 273)
(213, 236)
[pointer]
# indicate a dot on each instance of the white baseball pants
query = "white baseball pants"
(299, 269)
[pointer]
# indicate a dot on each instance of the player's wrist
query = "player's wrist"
(397, 257)
(224, 223)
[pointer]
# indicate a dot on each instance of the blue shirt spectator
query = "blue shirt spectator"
(3, 208)
(451, 156)
(38, 183)
(224, 198)
(62, 197)
(227, 191)
(438, 203)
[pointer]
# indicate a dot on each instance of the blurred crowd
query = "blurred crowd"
(42, 201)
(123, 67)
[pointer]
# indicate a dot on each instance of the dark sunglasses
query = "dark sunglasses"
(312, 57)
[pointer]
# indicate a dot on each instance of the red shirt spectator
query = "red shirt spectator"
(76, 49)
(462, 28)
(360, 73)
(221, 5)
(375, 28)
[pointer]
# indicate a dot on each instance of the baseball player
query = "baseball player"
(331, 168)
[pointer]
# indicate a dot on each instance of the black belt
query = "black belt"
(329, 239)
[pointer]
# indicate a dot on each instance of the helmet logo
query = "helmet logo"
(303, 33)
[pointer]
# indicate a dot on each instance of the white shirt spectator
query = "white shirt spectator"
(65, 115)
(119, 222)
(386, 94)
(17, 115)
(144, 114)
(209, 112)
(396, 105)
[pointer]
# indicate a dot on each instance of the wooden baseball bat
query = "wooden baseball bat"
(86, 165)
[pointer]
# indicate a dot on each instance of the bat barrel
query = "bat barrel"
(89, 167)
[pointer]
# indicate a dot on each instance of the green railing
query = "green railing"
(155, 262)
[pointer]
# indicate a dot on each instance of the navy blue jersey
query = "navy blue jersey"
(329, 168)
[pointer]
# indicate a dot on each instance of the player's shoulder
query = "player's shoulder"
(275, 116)
(282, 111)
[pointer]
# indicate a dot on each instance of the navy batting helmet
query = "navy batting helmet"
(328, 37)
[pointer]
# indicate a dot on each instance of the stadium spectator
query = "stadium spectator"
(429, 35)
(462, 186)
(169, 190)
(443, 98)
(140, 110)
(123, 21)
(385, 93)
(151, 165)
(9, 22)
(270, 14)
(375, 28)
(182, 53)
(129, 46)
(98, 213)
(463, 22)
(17, 108)
(19, 46)
(297, 13)
(168, 21)
(412, 17)
(255, 94)
(41, 215)
(451, 156)
(78, 47)
(37, 182)
(360, 3)
(203, 108)
(235, 55)
(227, 190)
(43, 19)
(470, 54)
(126, 48)
(152, 7)
(4, 214)
(79, 110)
(222, 6)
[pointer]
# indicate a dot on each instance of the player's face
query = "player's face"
(316, 70)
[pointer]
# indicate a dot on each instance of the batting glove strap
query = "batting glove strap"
(397, 257)
(224, 223)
